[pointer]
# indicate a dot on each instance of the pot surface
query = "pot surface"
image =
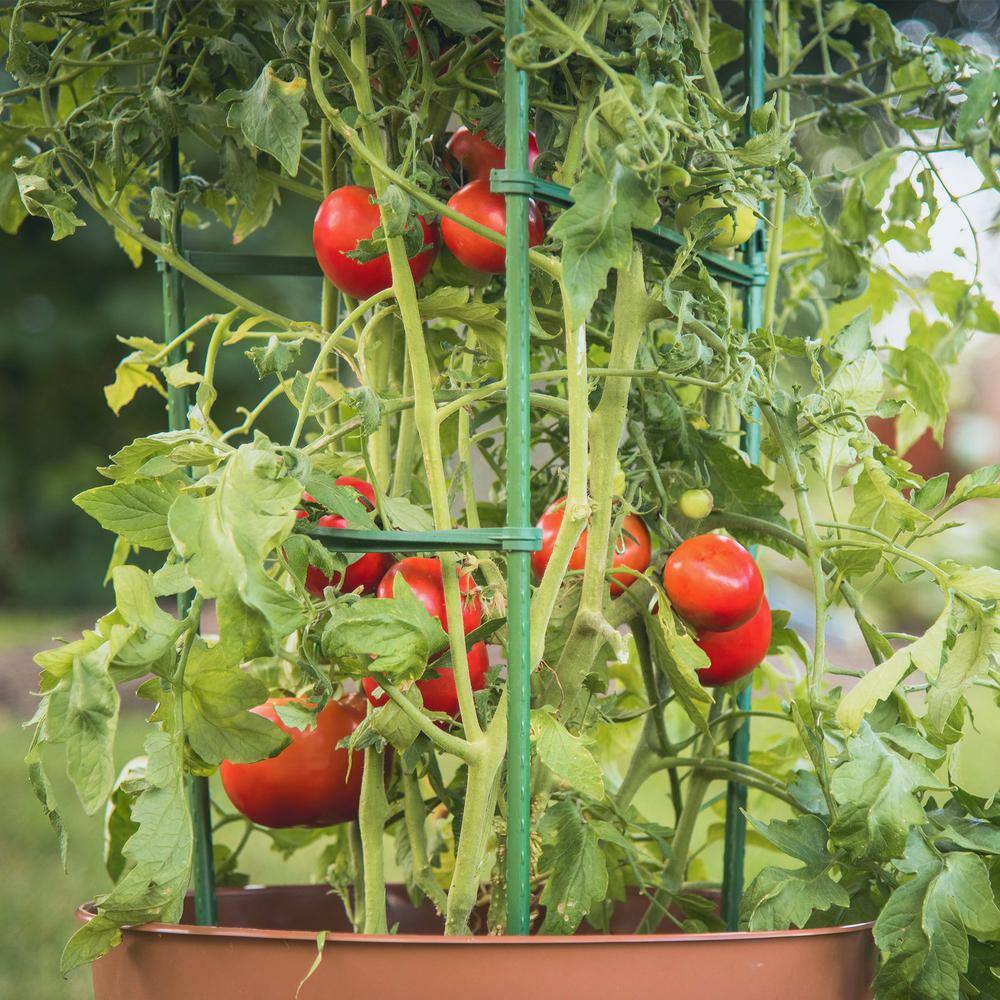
(266, 944)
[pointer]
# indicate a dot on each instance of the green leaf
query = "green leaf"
(137, 511)
(225, 538)
(566, 755)
(342, 500)
(406, 515)
(878, 791)
(55, 204)
(275, 356)
(118, 822)
(464, 17)
(923, 930)
(81, 711)
(972, 650)
(393, 636)
(217, 694)
(878, 684)
(597, 231)
(680, 658)
(574, 865)
(271, 117)
(981, 92)
(779, 898)
(393, 724)
(154, 631)
(982, 484)
(160, 852)
(45, 794)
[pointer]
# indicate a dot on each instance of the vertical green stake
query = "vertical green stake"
(739, 745)
(518, 494)
(177, 404)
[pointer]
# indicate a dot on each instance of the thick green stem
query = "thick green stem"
(477, 817)
(372, 814)
(414, 814)
(606, 426)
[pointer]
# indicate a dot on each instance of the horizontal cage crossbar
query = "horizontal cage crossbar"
(453, 540)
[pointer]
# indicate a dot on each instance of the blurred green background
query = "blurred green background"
(61, 307)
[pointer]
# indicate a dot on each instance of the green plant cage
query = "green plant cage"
(518, 538)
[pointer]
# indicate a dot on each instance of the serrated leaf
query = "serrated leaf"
(923, 930)
(217, 696)
(406, 515)
(566, 755)
(271, 117)
(878, 684)
(574, 865)
(275, 356)
(597, 231)
(225, 538)
(680, 658)
(393, 636)
(160, 852)
(137, 511)
(779, 898)
(878, 791)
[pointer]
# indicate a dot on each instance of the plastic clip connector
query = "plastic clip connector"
(512, 182)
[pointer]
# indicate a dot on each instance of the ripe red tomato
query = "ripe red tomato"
(632, 550)
(713, 582)
(347, 216)
(424, 577)
(307, 784)
(425, 580)
(438, 693)
(365, 572)
(476, 201)
(926, 457)
(476, 156)
(735, 653)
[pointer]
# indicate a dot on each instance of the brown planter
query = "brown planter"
(267, 942)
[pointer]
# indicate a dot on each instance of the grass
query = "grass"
(38, 901)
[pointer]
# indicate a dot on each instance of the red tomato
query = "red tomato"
(476, 156)
(632, 550)
(713, 582)
(307, 784)
(424, 577)
(347, 216)
(476, 201)
(365, 572)
(439, 693)
(735, 653)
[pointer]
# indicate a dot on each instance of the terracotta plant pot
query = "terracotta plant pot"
(266, 943)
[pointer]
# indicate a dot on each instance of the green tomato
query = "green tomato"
(696, 504)
(732, 230)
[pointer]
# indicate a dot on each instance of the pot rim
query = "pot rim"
(85, 912)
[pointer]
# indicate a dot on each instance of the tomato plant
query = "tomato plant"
(653, 368)
(310, 782)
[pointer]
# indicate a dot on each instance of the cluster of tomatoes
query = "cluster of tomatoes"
(350, 215)
(712, 582)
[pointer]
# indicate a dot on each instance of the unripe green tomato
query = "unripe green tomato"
(731, 230)
(696, 504)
